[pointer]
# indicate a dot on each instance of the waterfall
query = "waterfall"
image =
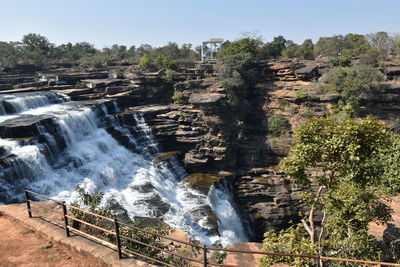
(87, 146)
(18, 103)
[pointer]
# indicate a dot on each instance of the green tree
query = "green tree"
(278, 125)
(35, 42)
(290, 51)
(237, 75)
(351, 45)
(37, 48)
(9, 54)
(145, 61)
(243, 46)
(293, 240)
(329, 46)
(272, 49)
(350, 170)
(351, 83)
(306, 50)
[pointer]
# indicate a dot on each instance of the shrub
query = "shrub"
(145, 61)
(179, 97)
(283, 103)
(91, 202)
(292, 240)
(278, 125)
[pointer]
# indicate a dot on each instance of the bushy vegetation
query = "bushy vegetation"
(293, 240)
(357, 163)
(278, 125)
(368, 49)
(351, 83)
(179, 97)
(37, 49)
(236, 71)
(92, 203)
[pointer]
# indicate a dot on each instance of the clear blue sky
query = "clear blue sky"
(133, 22)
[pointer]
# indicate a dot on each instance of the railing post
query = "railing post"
(28, 204)
(117, 239)
(64, 207)
(205, 256)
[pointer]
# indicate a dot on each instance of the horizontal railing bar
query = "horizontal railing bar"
(88, 212)
(360, 261)
(91, 236)
(222, 265)
(160, 249)
(165, 237)
(42, 196)
(148, 258)
(263, 253)
(89, 224)
(44, 207)
(301, 256)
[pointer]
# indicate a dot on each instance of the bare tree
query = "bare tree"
(381, 41)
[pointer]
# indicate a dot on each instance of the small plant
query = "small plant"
(27, 231)
(278, 125)
(145, 61)
(47, 246)
(179, 98)
(303, 93)
(169, 76)
(283, 103)
(91, 202)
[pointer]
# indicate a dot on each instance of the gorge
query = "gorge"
(152, 158)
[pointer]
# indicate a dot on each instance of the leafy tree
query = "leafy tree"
(273, 49)
(350, 170)
(371, 57)
(397, 49)
(37, 43)
(351, 45)
(290, 51)
(278, 125)
(243, 46)
(351, 83)
(354, 45)
(36, 48)
(306, 50)
(145, 61)
(9, 54)
(237, 75)
(293, 240)
(329, 46)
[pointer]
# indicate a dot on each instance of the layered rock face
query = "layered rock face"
(197, 131)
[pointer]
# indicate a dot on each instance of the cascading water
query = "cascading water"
(86, 146)
(18, 103)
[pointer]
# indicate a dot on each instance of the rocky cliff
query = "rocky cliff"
(197, 131)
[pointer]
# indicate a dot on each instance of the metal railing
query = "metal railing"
(205, 249)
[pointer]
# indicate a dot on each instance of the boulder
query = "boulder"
(204, 99)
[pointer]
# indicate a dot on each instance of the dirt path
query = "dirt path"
(20, 246)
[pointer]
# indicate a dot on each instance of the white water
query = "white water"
(96, 161)
(23, 102)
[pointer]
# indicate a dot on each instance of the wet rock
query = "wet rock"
(23, 126)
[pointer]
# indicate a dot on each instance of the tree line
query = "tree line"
(37, 49)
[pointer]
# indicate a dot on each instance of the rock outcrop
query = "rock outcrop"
(197, 132)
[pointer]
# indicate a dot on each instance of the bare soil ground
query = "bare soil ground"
(21, 246)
